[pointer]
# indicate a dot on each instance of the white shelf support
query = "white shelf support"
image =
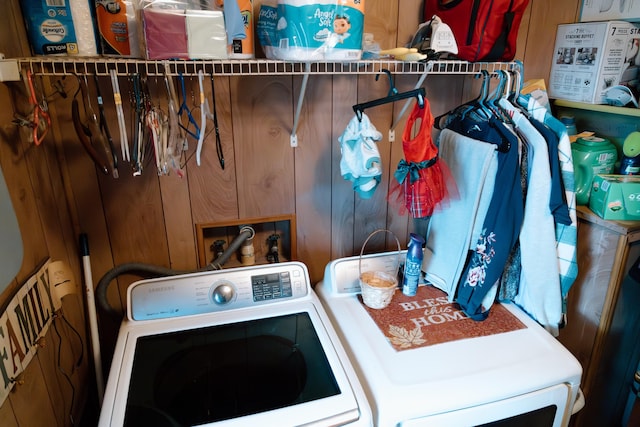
(296, 120)
(9, 70)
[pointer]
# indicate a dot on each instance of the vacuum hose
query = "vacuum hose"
(149, 270)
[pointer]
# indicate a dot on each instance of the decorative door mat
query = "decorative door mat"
(428, 318)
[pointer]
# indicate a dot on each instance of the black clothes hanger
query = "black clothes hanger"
(477, 104)
(90, 132)
(477, 114)
(392, 96)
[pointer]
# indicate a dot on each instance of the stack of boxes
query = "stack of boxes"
(592, 60)
(597, 61)
(151, 29)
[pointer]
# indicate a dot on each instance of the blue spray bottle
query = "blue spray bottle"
(412, 265)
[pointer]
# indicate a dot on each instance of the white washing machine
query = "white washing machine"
(423, 363)
(249, 346)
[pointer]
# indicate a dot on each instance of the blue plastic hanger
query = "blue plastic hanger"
(185, 108)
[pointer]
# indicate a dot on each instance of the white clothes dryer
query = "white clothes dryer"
(422, 363)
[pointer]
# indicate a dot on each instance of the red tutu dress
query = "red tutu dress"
(423, 178)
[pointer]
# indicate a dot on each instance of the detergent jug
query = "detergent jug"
(591, 156)
(630, 162)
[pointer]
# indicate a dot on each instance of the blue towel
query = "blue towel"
(233, 21)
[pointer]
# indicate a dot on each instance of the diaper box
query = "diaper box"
(616, 197)
(607, 10)
(590, 59)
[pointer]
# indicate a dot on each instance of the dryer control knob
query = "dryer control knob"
(223, 294)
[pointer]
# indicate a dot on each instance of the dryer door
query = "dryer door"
(543, 408)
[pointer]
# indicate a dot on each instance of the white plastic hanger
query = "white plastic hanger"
(203, 116)
(122, 127)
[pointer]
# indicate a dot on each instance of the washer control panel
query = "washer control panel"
(207, 292)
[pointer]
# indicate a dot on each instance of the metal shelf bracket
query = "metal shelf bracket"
(296, 120)
(408, 102)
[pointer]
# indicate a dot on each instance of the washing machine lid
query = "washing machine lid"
(442, 377)
(256, 365)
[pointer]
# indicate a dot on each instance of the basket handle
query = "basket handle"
(373, 233)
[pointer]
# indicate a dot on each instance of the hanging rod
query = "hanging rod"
(60, 66)
(102, 67)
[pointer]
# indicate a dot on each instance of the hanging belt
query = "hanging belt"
(215, 126)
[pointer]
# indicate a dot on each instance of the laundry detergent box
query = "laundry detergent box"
(312, 30)
(616, 197)
(589, 60)
(606, 10)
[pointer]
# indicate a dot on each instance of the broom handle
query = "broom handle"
(93, 321)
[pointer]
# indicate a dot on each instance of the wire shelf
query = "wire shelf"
(60, 66)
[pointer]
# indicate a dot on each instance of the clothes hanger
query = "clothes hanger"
(486, 99)
(392, 96)
(204, 109)
(476, 104)
(487, 105)
(515, 91)
(184, 108)
(122, 127)
(501, 92)
(214, 116)
(104, 127)
(479, 111)
(89, 132)
(176, 139)
(40, 110)
(504, 80)
(139, 125)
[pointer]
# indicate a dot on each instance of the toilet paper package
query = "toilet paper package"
(311, 30)
(61, 27)
(118, 28)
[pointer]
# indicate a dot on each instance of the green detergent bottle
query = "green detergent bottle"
(592, 155)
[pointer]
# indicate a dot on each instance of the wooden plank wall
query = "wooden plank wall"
(58, 193)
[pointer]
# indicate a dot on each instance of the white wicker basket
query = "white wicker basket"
(378, 287)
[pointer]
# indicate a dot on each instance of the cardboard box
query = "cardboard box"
(607, 10)
(590, 58)
(616, 197)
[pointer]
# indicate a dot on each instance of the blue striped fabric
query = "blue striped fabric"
(566, 235)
